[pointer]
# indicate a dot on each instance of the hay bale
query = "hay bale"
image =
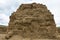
(33, 21)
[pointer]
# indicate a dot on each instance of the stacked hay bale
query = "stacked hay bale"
(33, 21)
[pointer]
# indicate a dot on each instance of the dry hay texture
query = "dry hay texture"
(33, 21)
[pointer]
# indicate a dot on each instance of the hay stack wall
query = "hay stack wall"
(33, 21)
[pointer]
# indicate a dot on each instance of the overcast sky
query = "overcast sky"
(9, 6)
